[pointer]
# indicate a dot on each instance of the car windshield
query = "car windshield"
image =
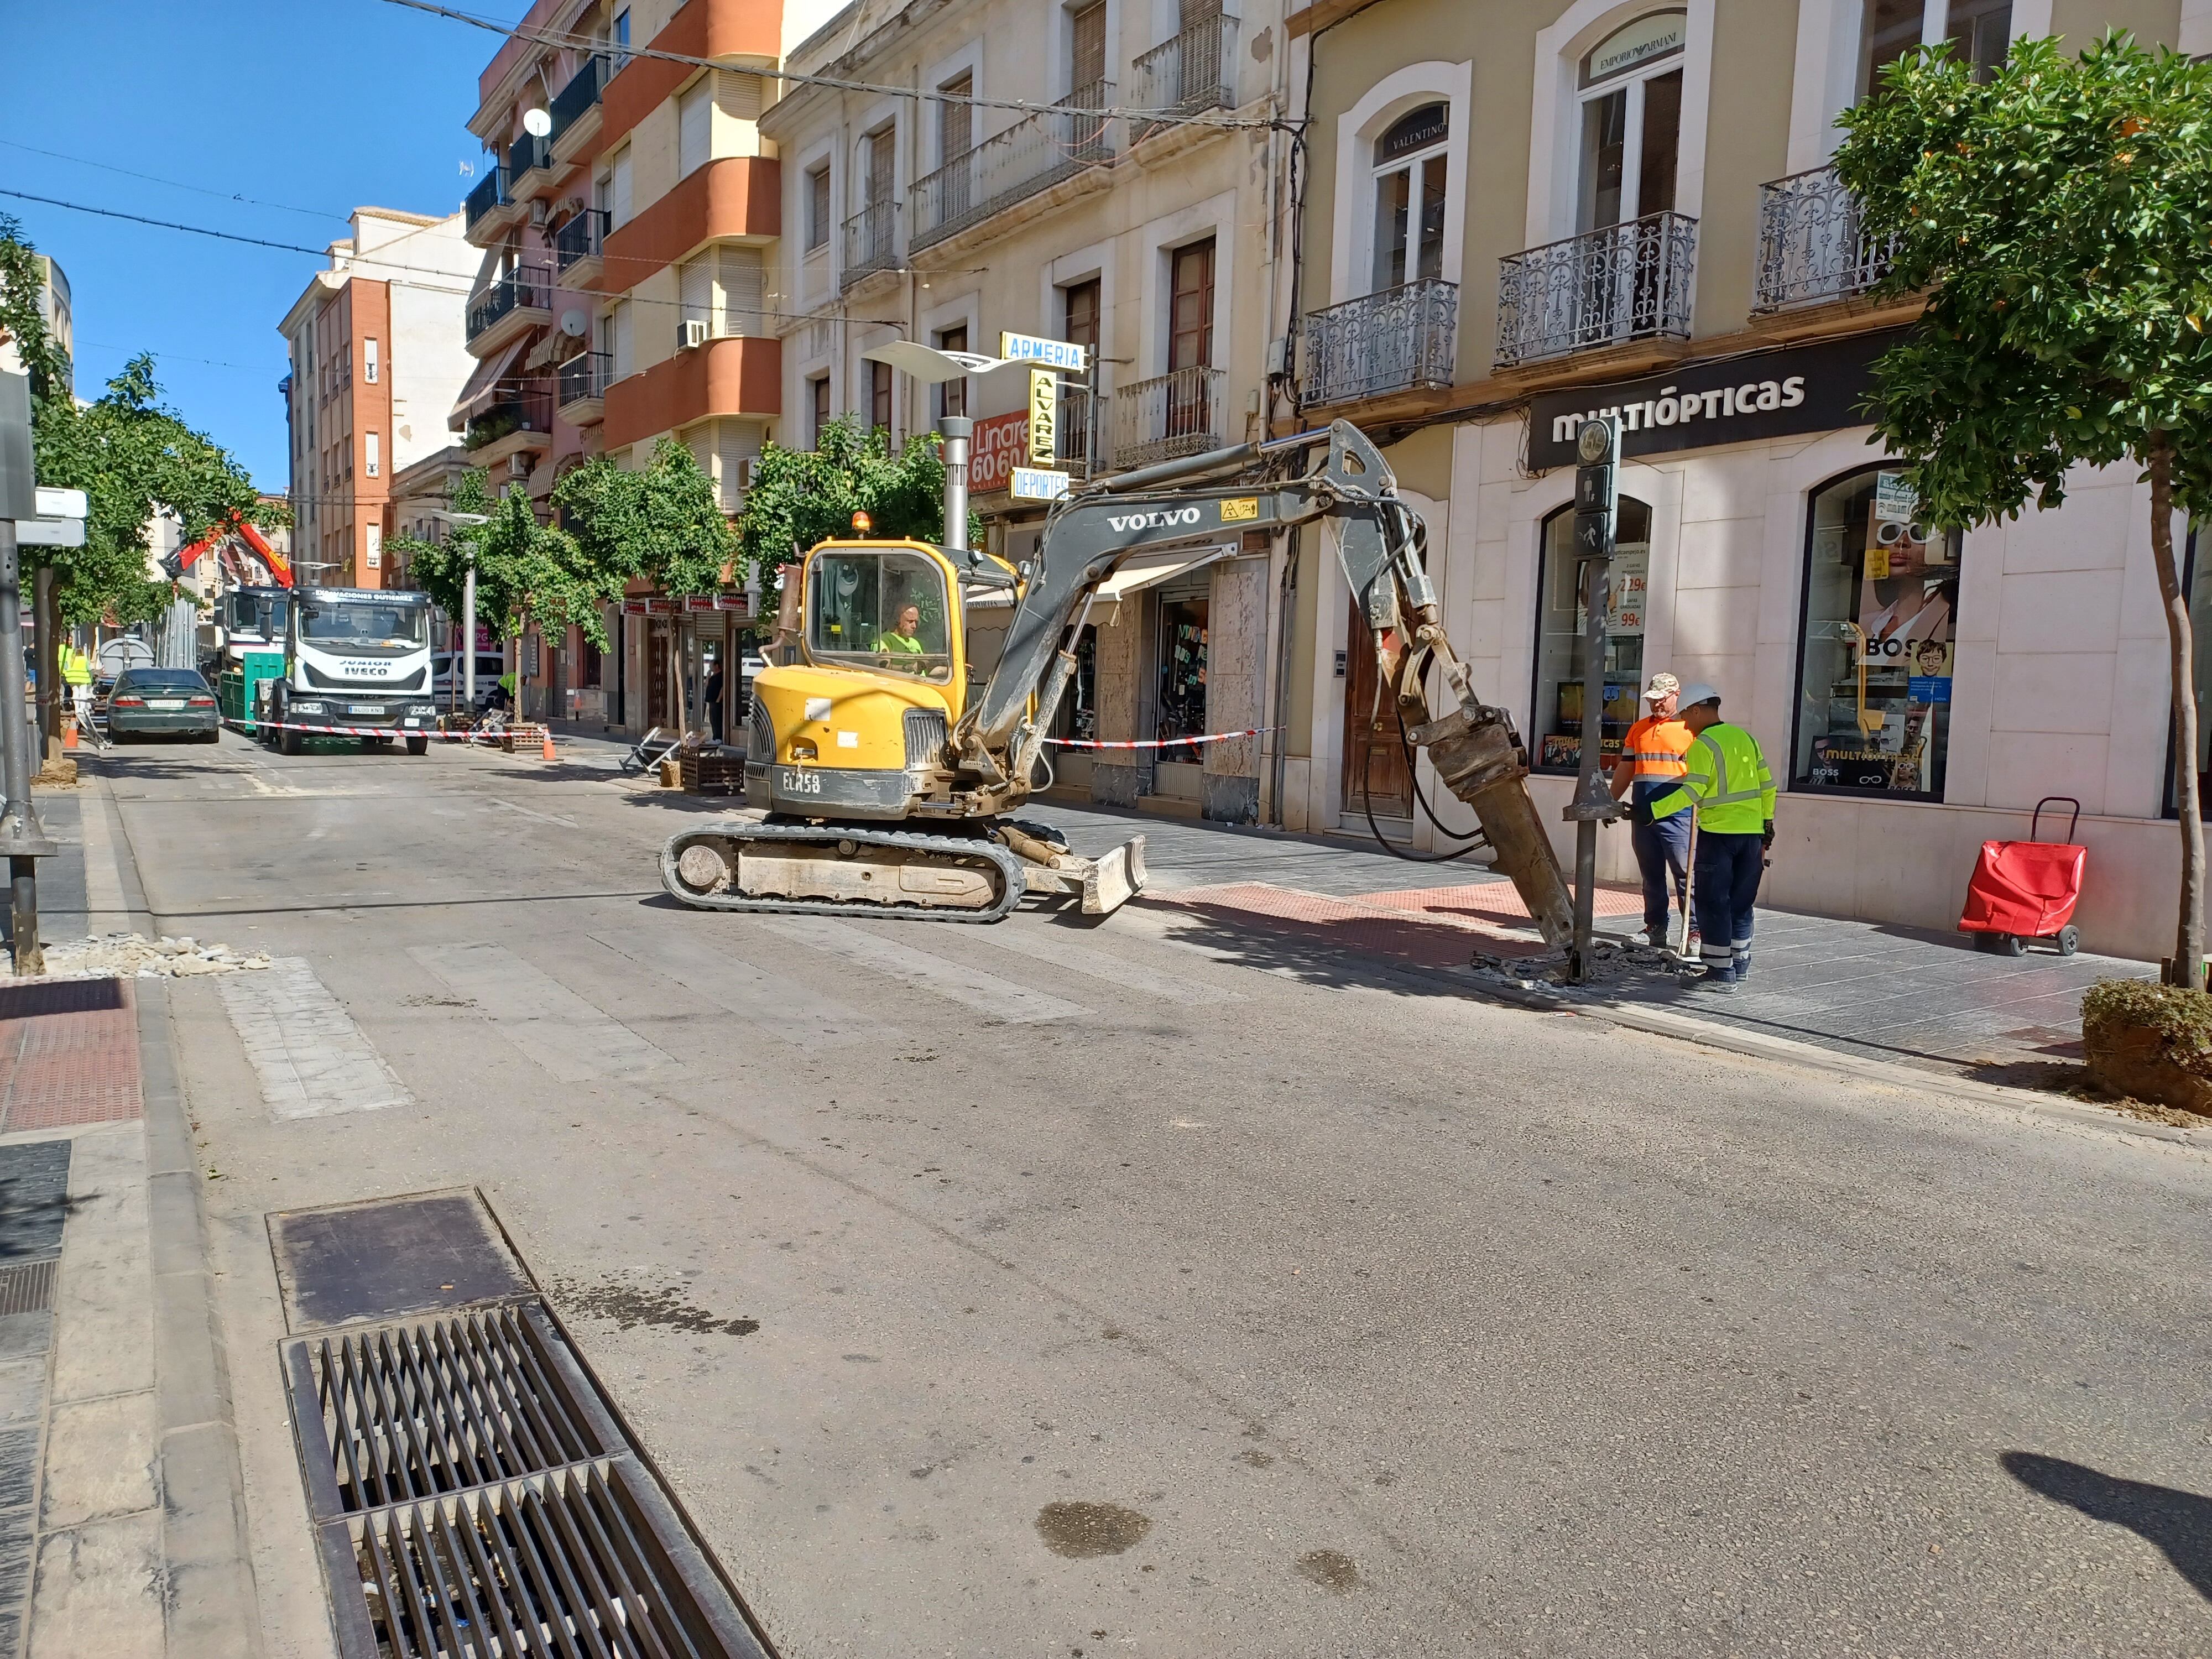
(358, 622)
(162, 679)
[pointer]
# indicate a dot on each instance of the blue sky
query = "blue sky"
(323, 105)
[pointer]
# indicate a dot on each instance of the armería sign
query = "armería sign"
(1762, 394)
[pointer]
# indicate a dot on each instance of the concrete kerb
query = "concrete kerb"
(210, 1606)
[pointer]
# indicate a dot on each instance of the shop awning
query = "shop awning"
(1149, 570)
(484, 385)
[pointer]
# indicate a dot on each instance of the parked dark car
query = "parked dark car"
(162, 702)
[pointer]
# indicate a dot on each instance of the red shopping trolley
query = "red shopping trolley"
(2025, 889)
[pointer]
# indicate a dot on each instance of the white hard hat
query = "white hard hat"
(1695, 693)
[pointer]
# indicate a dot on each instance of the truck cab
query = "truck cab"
(356, 663)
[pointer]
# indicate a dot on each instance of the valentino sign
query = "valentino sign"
(1764, 394)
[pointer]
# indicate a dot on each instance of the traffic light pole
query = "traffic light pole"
(1597, 501)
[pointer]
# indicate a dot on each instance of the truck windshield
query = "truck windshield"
(364, 623)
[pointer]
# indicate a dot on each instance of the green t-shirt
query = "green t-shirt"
(892, 640)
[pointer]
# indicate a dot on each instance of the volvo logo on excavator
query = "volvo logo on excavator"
(1155, 520)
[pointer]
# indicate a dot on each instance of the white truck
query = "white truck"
(356, 664)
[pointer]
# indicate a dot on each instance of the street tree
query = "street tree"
(660, 523)
(2058, 220)
(800, 497)
(526, 570)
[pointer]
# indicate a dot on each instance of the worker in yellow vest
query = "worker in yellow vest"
(76, 674)
(1726, 781)
(1652, 763)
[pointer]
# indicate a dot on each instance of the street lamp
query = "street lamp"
(933, 366)
(464, 521)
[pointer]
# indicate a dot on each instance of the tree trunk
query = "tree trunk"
(2188, 967)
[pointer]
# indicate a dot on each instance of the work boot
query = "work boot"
(1715, 979)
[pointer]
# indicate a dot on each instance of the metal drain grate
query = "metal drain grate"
(476, 1497)
(568, 1563)
(415, 1411)
(27, 1289)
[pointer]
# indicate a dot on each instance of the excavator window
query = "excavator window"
(879, 609)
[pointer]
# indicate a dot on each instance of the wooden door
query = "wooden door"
(1372, 750)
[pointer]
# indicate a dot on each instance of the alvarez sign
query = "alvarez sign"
(1764, 394)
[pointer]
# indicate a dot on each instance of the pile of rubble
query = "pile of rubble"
(125, 956)
(1612, 960)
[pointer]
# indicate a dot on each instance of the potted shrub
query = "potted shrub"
(2149, 1041)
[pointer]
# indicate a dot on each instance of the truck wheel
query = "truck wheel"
(418, 746)
(287, 736)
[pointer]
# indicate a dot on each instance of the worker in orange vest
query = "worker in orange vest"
(1652, 761)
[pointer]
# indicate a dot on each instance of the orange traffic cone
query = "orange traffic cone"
(549, 743)
(68, 733)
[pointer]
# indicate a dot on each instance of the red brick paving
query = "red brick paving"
(1445, 937)
(1496, 901)
(69, 1055)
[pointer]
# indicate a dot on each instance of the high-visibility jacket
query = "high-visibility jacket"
(1726, 780)
(1655, 749)
(76, 667)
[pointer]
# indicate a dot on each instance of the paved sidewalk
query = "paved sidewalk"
(121, 1530)
(1304, 905)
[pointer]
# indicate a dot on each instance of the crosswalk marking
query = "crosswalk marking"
(568, 1036)
(311, 1059)
(1063, 947)
(775, 1007)
(902, 958)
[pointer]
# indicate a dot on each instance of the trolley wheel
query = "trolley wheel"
(2069, 939)
(2010, 945)
(418, 746)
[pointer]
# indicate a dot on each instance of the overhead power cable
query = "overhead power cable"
(1020, 106)
(177, 184)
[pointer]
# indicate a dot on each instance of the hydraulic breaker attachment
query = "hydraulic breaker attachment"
(1480, 760)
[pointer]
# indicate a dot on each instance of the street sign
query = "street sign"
(1034, 349)
(49, 532)
(18, 480)
(62, 503)
(1036, 484)
(1044, 415)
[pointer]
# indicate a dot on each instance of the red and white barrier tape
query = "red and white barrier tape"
(1163, 742)
(248, 728)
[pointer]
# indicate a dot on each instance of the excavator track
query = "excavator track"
(948, 866)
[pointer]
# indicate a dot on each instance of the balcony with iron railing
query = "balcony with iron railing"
(520, 423)
(1605, 287)
(583, 380)
(1179, 413)
(575, 107)
(523, 296)
(871, 242)
(529, 167)
(1403, 339)
(578, 245)
(1190, 73)
(1032, 155)
(1812, 248)
(487, 198)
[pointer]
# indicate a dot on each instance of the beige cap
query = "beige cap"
(1662, 685)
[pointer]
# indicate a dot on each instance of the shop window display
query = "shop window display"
(1881, 601)
(1182, 677)
(1558, 722)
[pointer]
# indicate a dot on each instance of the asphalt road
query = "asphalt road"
(1370, 1317)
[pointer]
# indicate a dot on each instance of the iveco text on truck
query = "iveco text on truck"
(357, 664)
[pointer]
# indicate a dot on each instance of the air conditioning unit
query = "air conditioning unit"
(518, 464)
(538, 214)
(695, 333)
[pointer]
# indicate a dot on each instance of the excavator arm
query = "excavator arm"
(280, 569)
(1380, 540)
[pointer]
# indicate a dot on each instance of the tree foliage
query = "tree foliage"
(2059, 219)
(661, 523)
(800, 497)
(128, 452)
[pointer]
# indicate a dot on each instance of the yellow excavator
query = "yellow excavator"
(902, 722)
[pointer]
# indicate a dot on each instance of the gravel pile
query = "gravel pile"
(125, 956)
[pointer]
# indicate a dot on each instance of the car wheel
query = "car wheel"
(215, 736)
(119, 738)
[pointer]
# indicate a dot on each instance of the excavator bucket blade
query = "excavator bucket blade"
(1114, 880)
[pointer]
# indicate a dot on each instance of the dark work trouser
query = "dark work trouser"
(1661, 849)
(1729, 868)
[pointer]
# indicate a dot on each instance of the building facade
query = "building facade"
(376, 360)
(1126, 204)
(620, 298)
(1519, 213)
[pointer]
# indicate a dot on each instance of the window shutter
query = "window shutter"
(694, 295)
(620, 209)
(623, 349)
(694, 111)
(737, 442)
(740, 274)
(738, 95)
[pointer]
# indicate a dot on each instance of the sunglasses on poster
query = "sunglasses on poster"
(1888, 535)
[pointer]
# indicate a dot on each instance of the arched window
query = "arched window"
(1410, 169)
(1881, 602)
(1630, 88)
(1556, 715)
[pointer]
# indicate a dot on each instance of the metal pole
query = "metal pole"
(955, 430)
(45, 663)
(1596, 486)
(20, 834)
(469, 628)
